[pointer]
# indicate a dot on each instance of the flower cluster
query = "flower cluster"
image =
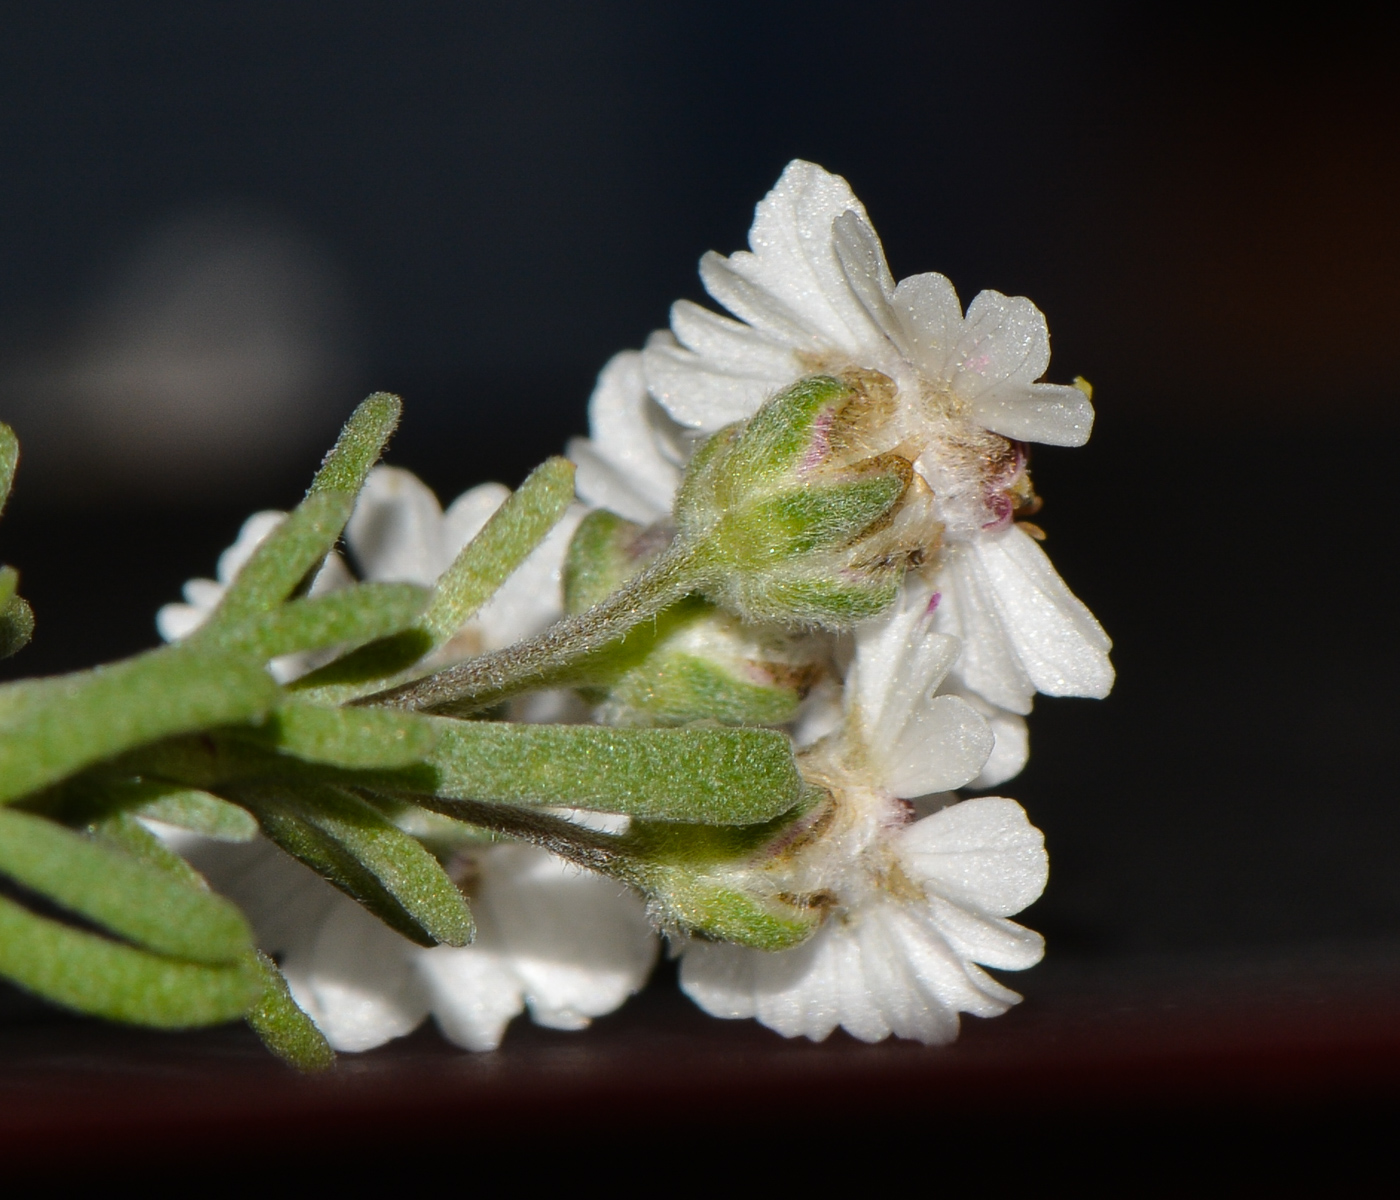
(805, 516)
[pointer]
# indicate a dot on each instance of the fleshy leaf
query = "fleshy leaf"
(714, 776)
(200, 812)
(363, 853)
(364, 613)
(353, 737)
(284, 1028)
(132, 899)
(51, 728)
(505, 541)
(103, 978)
(359, 445)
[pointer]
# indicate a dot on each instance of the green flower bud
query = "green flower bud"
(790, 517)
(694, 662)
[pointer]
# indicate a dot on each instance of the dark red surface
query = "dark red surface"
(1275, 1037)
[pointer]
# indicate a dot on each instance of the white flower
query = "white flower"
(564, 943)
(633, 461)
(175, 622)
(814, 294)
(913, 907)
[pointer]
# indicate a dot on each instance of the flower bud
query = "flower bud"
(695, 662)
(791, 517)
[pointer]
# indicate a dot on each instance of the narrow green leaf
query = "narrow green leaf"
(402, 866)
(364, 669)
(200, 812)
(364, 613)
(9, 460)
(707, 776)
(284, 1028)
(353, 737)
(359, 445)
(51, 728)
(88, 973)
(282, 560)
(132, 899)
(124, 832)
(488, 560)
(331, 861)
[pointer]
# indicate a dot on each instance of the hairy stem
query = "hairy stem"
(546, 659)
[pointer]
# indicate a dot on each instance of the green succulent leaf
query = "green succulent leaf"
(359, 446)
(284, 1028)
(122, 894)
(353, 845)
(16, 621)
(716, 776)
(353, 737)
(103, 978)
(354, 616)
(506, 540)
(52, 728)
(199, 812)
(9, 460)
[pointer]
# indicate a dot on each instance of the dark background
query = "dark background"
(475, 205)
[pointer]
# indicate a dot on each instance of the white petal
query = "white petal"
(931, 317)
(396, 532)
(942, 746)
(1011, 748)
(988, 663)
(1004, 340)
(602, 485)
(982, 854)
(992, 941)
(620, 420)
(250, 537)
(1038, 412)
(756, 305)
(1063, 649)
(731, 346)
(467, 515)
(176, 621)
(952, 982)
(356, 981)
(474, 993)
(898, 662)
(862, 260)
(795, 259)
(204, 594)
(579, 943)
(699, 396)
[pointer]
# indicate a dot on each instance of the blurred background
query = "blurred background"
(222, 224)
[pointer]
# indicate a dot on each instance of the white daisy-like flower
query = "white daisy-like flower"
(633, 460)
(561, 942)
(814, 294)
(175, 622)
(913, 905)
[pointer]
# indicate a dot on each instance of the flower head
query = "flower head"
(911, 906)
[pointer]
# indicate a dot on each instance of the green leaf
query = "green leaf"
(16, 625)
(51, 728)
(709, 776)
(284, 1028)
(126, 833)
(364, 613)
(200, 812)
(132, 899)
(353, 840)
(359, 445)
(353, 737)
(282, 560)
(88, 973)
(490, 558)
(366, 668)
(9, 460)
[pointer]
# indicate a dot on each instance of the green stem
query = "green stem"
(547, 659)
